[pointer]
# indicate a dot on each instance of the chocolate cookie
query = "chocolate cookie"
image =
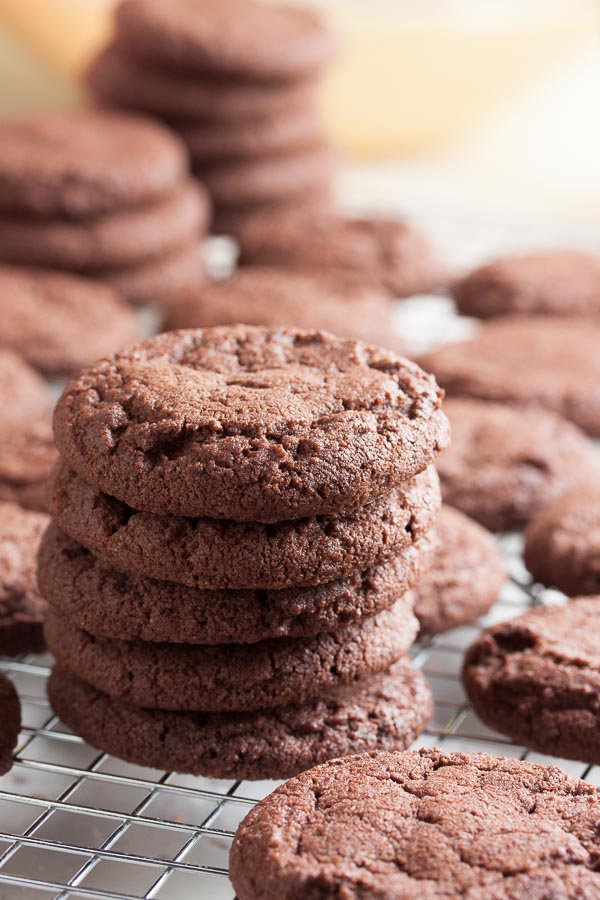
(60, 323)
(259, 295)
(86, 163)
(214, 553)
(528, 360)
(251, 424)
(160, 281)
(536, 678)
(562, 542)
(24, 396)
(120, 238)
(106, 602)
(232, 677)
(286, 42)
(27, 455)
(505, 463)
(10, 716)
(465, 577)
(386, 711)
(21, 607)
(560, 283)
(424, 825)
(240, 219)
(118, 79)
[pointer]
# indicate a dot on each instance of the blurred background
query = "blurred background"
(490, 108)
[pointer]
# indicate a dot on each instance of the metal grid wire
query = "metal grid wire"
(76, 823)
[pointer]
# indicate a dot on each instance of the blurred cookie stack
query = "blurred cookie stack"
(239, 514)
(238, 79)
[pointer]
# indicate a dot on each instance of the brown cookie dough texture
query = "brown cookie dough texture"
(536, 678)
(24, 395)
(387, 710)
(528, 360)
(250, 424)
(387, 252)
(214, 554)
(286, 42)
(21, 606)
(562, 542)
(504, 463)
(559, 283)
(59, 323)
(421, 825)
(10, 717)
(109, 603)
(465, 576)
(86, 163)
(27, 456)
(231, 677)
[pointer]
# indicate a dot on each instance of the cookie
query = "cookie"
(527, 360)
(241, 219)
(387, 711)
(86, 163)
(536, 678)
(21, 606)
(504, 463)
(465, 577)
(267, 178)
(231, 677)
(121, 238)
(562, 542)
(387, 252)
(215, 554)
(423, 824)
(251, 424)
(287, 42)
(271, 297)
(160, 281)
(10, 716)
(60, 323)
(24, 395)
(117, 79)
(27, 455)
(559, 283)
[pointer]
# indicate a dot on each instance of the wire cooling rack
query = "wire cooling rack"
(76, 823)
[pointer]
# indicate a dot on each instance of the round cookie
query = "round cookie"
(559, 283)
(160, 281)
(239, 219)
(251, 424)
(424, 824)
(27, 455)
(232, 677)
(21, 606)
(536, 678)
(106, 602)
(120, 238)
(387, 711)
(86, 163)
(528, 360)
(465, 577)
(60, 323)
(504, 463)
(387, 252)
(119, 80)
(562, 542)
(287, 41)
(10, 716)
(267, 178)
(24, 395)
(215, 554)
(271, 297)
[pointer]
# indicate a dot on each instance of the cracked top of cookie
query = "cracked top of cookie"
(251, 424)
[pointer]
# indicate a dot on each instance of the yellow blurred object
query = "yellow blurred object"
(28, 84)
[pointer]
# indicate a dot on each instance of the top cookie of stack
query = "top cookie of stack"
(102, 193)
(238, 80)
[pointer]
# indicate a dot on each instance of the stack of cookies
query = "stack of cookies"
(239, 514)
(105, 194)
(238, 79)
